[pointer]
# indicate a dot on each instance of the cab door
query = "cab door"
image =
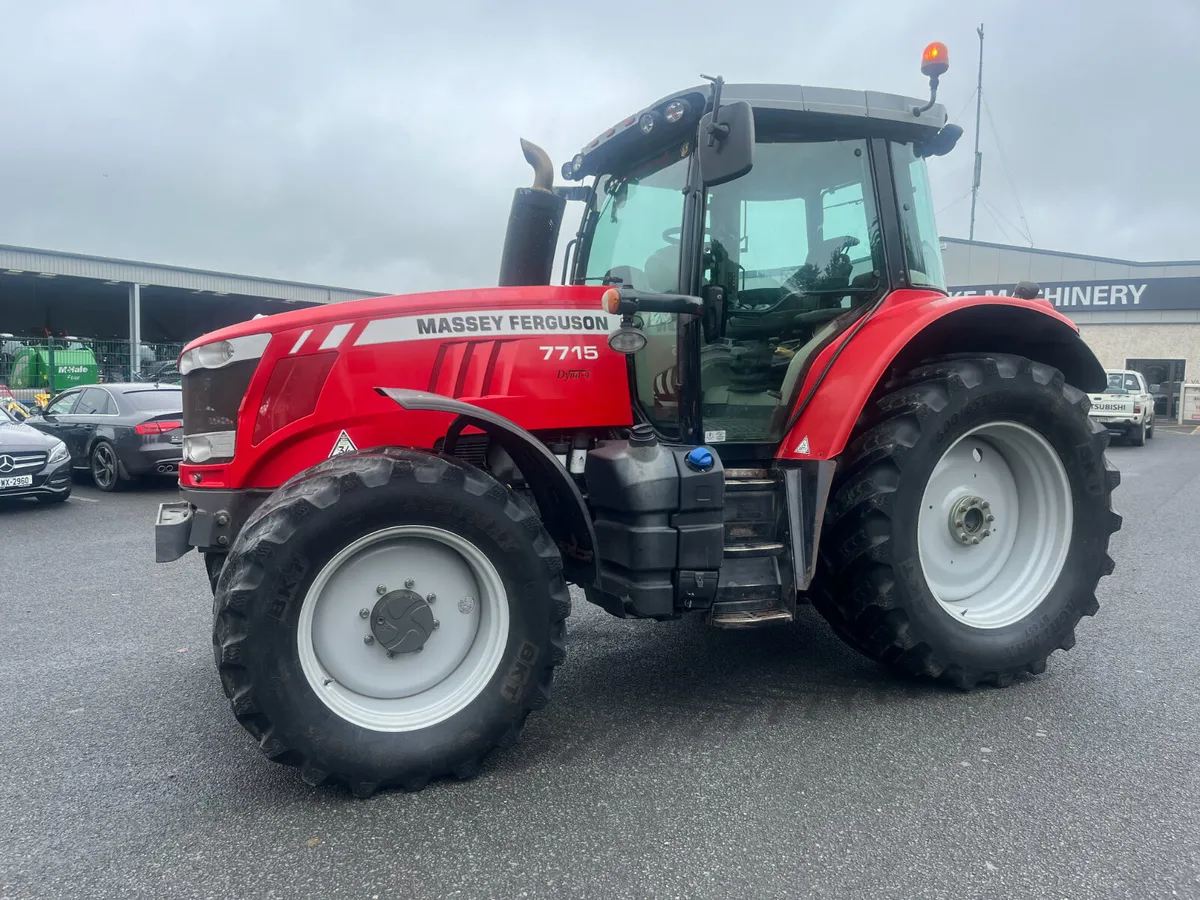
(795, 244)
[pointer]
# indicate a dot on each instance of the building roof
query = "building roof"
(54, 263)
(1063, 254)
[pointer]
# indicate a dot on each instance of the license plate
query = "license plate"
(16, 481)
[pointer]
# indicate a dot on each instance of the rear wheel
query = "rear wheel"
(1138, 436)
(387, 618)
(970, 525)
(106, 468)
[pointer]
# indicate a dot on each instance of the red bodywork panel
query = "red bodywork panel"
(536, 355)
(829, 418)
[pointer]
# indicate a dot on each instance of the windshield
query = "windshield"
(637, 220)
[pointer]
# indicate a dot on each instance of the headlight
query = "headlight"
(199, 448)
(221, 353)
(59, 453)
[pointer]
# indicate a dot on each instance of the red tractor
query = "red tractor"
(750, 392)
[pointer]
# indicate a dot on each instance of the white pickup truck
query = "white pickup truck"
(1126, 407)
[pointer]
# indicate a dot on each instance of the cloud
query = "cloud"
(375, 145)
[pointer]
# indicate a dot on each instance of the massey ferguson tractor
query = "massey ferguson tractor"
(750, 391)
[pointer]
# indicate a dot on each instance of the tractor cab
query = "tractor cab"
(787, 219)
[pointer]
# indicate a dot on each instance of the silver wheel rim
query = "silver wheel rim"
(995, 580)
(412, 690)
(105, 468)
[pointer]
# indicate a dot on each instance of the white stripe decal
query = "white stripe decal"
(487, 323)
(334, 337)
(300, 341)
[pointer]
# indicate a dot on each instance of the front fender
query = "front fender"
(913, 325)
(560, 503)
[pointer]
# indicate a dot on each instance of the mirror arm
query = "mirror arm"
(634, 301)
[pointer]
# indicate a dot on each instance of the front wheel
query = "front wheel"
(387, 618)
(970, 524)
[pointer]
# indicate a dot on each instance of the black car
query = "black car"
(32, 464)
(118, 432)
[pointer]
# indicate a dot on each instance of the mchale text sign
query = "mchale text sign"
(1147, 293)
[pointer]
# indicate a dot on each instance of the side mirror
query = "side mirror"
(726, 144)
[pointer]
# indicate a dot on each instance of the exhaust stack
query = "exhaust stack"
(533, 225)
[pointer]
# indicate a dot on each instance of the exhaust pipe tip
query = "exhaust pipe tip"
(543, 169)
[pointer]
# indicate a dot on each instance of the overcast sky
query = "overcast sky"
(374, 145)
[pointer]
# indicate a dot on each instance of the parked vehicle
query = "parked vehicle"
(1125, 407)
(754, 392)
(118, 432)
(59, 362)
(32, 464)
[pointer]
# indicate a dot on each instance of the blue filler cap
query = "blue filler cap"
(700, 459)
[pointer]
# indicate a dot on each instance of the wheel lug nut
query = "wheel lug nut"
(408, 583)
(391, 654)
(975, 540)
(991, 518)
(959, 522)
(437, 624)
(986, 505)
(369, 640)
(432, 598)
(363, 613)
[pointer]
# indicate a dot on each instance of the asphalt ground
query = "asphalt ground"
(673, 761)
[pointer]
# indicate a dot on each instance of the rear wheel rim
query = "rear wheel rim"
(104, 467)
(994, 580)
(354, 677)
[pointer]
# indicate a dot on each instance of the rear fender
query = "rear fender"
(560, 504)
(914, 325)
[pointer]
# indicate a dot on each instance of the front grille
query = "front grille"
(211, 397)
(21, 462)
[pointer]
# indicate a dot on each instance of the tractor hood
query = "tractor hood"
(436, 303)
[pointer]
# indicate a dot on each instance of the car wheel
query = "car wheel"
(1139, 435)
(105, 467)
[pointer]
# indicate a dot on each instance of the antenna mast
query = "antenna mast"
(978, 155)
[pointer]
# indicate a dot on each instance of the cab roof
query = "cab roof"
(892, 111)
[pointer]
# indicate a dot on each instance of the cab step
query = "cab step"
(749, 613)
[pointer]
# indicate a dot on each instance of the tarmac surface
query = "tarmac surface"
(672, 761)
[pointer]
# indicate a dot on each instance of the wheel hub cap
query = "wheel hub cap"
(971, 520)
(402, 621)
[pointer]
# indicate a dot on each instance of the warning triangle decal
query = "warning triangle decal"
(802, 449)
(343, 445)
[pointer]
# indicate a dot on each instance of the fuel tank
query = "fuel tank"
(536, 355)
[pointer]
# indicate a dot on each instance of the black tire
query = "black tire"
(871, 587)
(105, 467)
(283, 547)
(1138, 438)
(1150, 430)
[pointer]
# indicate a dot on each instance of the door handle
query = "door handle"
(89, 427)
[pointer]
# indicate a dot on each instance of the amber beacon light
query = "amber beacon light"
(935, 60)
